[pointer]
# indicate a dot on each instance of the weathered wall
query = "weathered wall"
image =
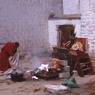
(87, 11)
(88, 24)
(26, 21)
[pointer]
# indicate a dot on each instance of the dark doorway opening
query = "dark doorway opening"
(65, 33)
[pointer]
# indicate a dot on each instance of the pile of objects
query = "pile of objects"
(54, 69)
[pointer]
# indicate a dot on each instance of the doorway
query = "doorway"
(65, 33)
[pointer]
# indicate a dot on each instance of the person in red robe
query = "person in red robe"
(7, 51)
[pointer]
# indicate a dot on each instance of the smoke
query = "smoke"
(36, 61)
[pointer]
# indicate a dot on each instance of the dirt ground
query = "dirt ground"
(37, 87)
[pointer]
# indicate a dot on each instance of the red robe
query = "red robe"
(8, 50)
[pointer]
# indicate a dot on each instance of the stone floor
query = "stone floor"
(36, 87)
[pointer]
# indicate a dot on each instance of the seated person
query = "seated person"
(75, 50)
(9, 49)
(77, 46)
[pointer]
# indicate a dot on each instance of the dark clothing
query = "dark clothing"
(72, 60)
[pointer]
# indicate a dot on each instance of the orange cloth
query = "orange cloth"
(77, 46)
(8, 50)
(56, 63)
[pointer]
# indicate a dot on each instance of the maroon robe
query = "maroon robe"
(8, 50)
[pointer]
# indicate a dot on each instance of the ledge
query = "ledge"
(74, 16)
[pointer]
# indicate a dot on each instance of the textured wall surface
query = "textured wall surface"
(71, 6)
(88, 24)
(26, 21)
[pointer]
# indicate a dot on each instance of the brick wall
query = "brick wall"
(88, 25)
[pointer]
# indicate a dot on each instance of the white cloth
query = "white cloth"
(44, 67)
(14, 61)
